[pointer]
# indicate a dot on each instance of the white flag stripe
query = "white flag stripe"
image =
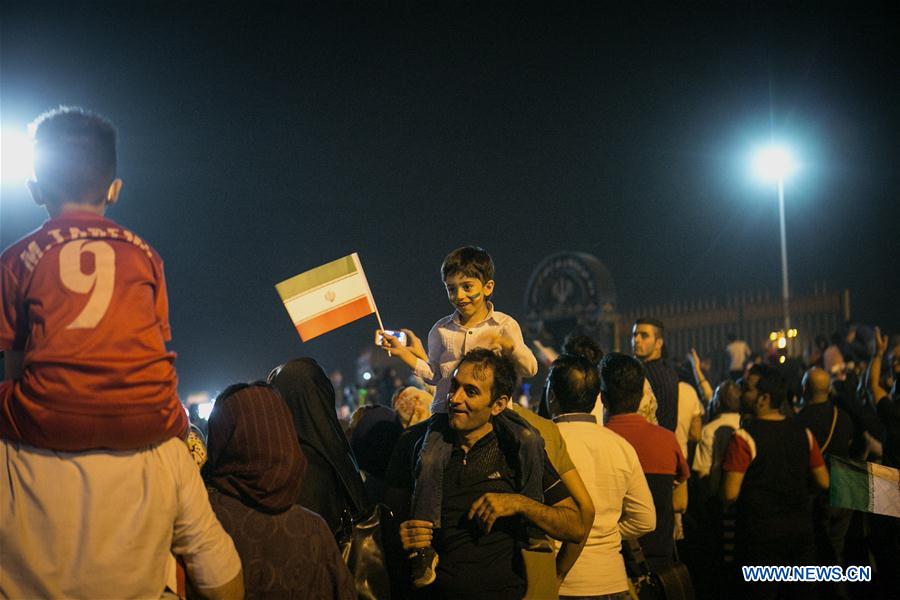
(885, 490)
(306, 306)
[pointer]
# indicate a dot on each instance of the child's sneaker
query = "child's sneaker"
(423, 567)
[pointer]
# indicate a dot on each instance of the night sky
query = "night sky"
(258, 141)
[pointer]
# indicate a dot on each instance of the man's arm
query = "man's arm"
(233, 590)
(816, 463)
(198, 537)
(680, 497)
(702, 381)
(731, 486)
(738, 456)
(696, 427)
(638, 511)
(569, 552)
(820, 476)
(560, 521)
(878, 392)
(12, 364)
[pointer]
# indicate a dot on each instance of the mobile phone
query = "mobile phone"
(400, 335)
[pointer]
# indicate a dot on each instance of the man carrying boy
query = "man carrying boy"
(85, 315)
(468, 275)
(483, 510)
(83, 329)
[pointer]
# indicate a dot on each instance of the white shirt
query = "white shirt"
(612, 473)
(102, 524)
(689, 406)
(448, 341)
(703, 458)
(739, 352)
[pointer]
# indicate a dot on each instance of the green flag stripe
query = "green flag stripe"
(849, 484)
(314, 278)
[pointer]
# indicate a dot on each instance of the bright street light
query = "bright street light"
(773, 164)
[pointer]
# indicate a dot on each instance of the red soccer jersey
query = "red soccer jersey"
(85, 300)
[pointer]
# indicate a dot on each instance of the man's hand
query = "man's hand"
(416, 534)
(490, 507)
(881, 342)
(695, 360)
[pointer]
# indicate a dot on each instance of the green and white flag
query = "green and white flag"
(865, 486)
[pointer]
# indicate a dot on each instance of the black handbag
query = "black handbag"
(672, 582)
(363, 552)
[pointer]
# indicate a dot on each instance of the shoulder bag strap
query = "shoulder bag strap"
(830, 433)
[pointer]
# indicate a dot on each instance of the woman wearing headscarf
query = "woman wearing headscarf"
(309, 395)
(374, 431)
(254, 474)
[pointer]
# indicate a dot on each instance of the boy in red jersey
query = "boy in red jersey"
(85, 315)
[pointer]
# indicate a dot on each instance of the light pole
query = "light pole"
(775, 163)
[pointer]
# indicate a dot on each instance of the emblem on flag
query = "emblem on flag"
(327, 297)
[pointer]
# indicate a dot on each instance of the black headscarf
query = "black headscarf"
(664, 382)
(374, 437)
(253, 451)
(332, 467)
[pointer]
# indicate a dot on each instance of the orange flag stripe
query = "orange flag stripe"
(333, 319)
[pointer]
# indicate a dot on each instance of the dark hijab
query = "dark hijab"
(374, 437)
(253, 451)
(333, 469)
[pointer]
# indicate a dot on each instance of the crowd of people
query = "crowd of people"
(633, 472)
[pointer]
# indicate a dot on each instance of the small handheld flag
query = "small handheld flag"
(865, 486)
(327, 297)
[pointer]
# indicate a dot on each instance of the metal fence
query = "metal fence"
(705, 323)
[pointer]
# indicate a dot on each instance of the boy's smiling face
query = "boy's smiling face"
(468, 294)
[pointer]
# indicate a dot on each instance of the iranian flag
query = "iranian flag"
(865, 486)
(327, 297)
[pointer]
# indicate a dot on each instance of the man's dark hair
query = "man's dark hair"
(731, 337)
(575, 383)
(657, 325)
(74, 155)
(583, 345)
(729, 397)
(469, 261)
(772, 383)
(621, 382)
(503, 368)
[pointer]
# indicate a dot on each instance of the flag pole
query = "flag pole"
(369, 291)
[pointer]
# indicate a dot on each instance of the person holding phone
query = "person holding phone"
(468, 277)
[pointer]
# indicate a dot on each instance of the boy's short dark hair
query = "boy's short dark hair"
(575, 383)
(621, 382)
(74, 155)
(504, 370)
(469, 261)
